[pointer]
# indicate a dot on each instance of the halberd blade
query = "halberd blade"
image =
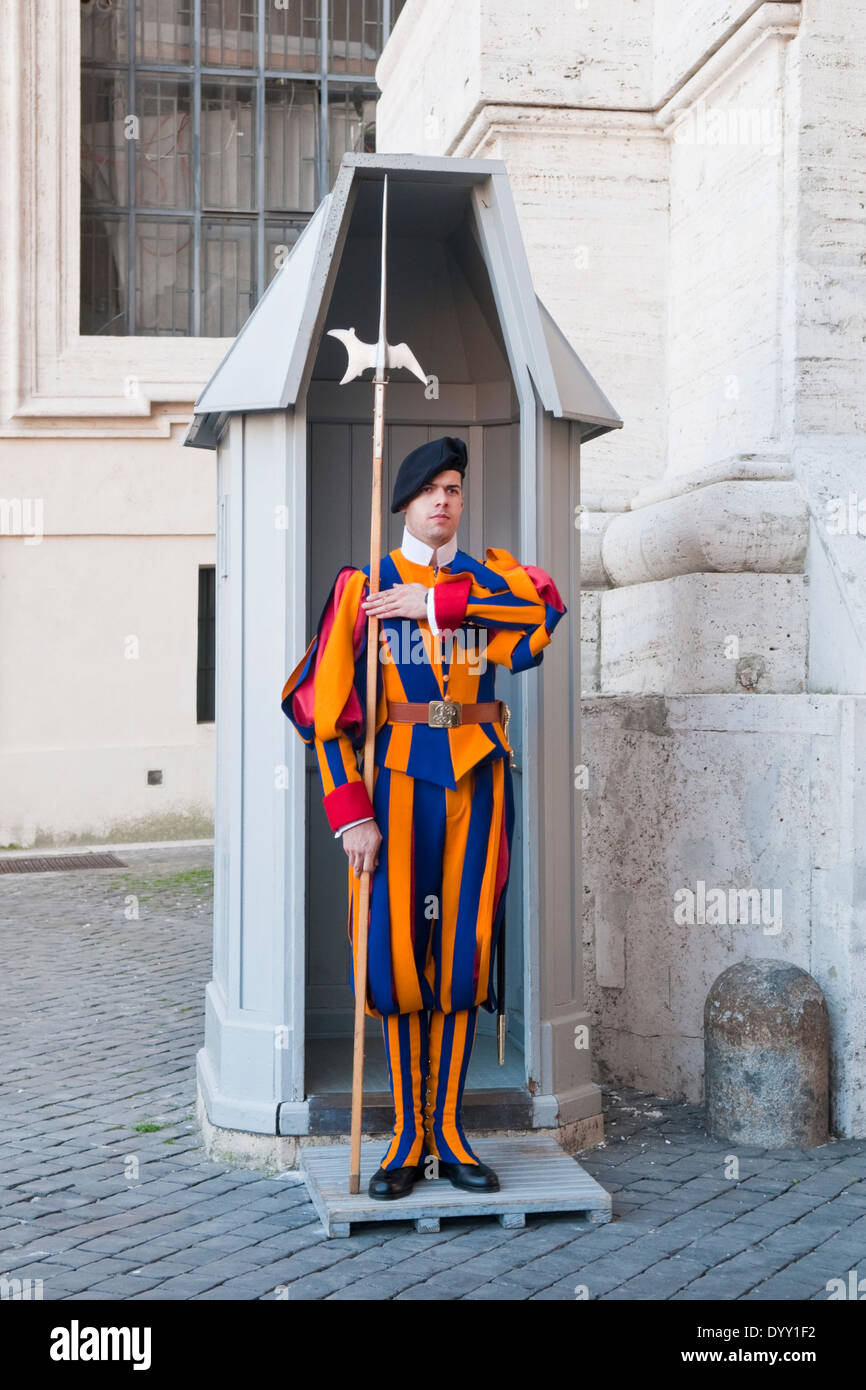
(403, 356)
(379, 355)
(361, 355)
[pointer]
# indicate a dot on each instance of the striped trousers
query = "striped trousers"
(428, 1058)
(437, 894)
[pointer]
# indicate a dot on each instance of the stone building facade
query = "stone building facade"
(689, 179)
(690, 183)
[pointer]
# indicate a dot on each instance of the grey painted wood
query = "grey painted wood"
(472, 305)
(329, 1062)
(267, 365)
(512, 1220)
(493, 239)
(249, 1066)
(565, 1060)
(579, 394)
(535, 1176)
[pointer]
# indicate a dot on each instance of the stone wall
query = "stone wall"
(690, 180)
(100, 605)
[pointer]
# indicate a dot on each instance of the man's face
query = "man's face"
(433, 514)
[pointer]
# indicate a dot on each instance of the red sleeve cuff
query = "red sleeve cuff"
(450, 598)
(349, 802)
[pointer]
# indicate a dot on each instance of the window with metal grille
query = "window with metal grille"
(210, 132)
(206, 668)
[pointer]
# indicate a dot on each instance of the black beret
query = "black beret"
(423, 464)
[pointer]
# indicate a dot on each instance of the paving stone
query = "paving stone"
(502, 1290)
(662, 1279)
(449, 1284)
(385, 1284)
(73, 1259)
(126, 1285)
(655, 1185)
(734, 1277)
(320, 1285)
(79, 1079)
(782, 1287)
(541, 1273)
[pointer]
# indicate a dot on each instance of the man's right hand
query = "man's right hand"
(361, 844)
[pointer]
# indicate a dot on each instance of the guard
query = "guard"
(437, 835)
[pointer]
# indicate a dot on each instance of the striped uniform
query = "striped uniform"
(428, 1058)
(442, 798)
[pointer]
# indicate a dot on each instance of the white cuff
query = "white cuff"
(431, 613)
(349, 824)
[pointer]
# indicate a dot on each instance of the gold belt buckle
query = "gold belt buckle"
(443, 714)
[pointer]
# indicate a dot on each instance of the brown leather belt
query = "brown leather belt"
(446, 714)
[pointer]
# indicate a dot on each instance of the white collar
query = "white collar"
(423, 554)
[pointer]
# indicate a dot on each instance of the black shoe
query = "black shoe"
(472, 1177)
(388, 1183)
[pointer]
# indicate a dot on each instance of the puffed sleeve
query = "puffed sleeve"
(325, 698)
(519, 605)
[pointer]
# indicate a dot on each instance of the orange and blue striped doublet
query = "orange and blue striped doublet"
(442, 797)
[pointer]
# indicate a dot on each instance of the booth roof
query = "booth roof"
(264, 367)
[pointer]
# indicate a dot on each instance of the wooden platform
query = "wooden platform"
(535, 1175)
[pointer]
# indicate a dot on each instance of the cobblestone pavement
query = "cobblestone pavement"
(107, 1192)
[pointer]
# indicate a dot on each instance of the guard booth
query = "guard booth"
(294, 465)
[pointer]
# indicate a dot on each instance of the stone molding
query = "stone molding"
(737, 468)
(486, 119)
(490, 120)
(749, 526)
(777, 20)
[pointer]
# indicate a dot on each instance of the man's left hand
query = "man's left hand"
(402, 601)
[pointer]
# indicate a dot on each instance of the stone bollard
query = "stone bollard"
(766, 1053)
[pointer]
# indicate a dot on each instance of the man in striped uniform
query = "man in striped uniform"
(436, 836)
